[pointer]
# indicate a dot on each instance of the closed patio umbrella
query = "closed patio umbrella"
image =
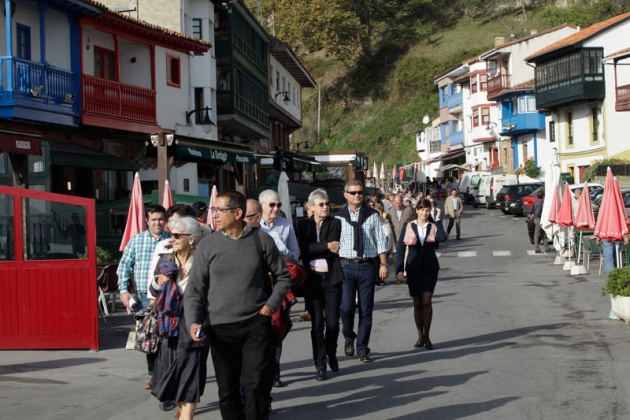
(565, 219)
(375, 172)
(283, 192)
(551, 207)
(136, 221)
(213, 202)
(167, 199)
(584, 218)
(612, 218)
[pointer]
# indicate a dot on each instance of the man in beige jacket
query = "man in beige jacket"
(453, 209)
(398, 215)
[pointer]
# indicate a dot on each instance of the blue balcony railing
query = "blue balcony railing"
(37, 80)
(521, 123)
(454, 100)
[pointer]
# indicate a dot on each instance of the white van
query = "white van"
(491, 185)
(468, 184)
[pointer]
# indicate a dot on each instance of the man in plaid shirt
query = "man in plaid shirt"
(363, 255)
(135, 263)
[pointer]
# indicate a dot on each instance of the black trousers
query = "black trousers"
(323, 297)
(243, 348)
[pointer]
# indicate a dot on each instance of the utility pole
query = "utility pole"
(319, 111)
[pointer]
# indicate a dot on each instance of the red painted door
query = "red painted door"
(48, 264)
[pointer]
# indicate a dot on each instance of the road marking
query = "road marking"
(438, 254)
(466, 254)
(530, 252)
(501, 253)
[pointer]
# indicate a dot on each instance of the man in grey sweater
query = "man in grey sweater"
(228, 282)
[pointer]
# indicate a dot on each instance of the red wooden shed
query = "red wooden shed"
(49, 298)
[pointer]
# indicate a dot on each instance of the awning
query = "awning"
(212, 150)
(453, 166)
(449, 156)
(68, 154)
(20, 143)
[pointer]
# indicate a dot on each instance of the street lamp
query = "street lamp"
(286, 99)
(490, 127)
(297, 146)
(206, 123)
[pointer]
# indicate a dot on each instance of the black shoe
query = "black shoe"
(427, 343)
(458, 238)
(167, 405)
(364, 357)
(321, 375)
(277, 383)
(349, 348)
(333, 363)
(538, 251)
(419, 343)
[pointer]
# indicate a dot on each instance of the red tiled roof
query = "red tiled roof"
(523, 86)
(184, 41)
(580, 36)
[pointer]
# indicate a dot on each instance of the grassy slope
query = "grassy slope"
(384, 128)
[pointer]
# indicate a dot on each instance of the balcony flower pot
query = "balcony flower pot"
(618, 286)
(36, 91)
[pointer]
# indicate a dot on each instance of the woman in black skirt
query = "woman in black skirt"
(179, 374)
(422, 238)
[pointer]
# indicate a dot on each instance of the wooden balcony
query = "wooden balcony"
(623, 98)
(498, 83)
(105, 102)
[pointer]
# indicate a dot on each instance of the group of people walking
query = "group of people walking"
(231, 283)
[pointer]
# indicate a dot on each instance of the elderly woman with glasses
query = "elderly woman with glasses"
(318, 237)
(179, 375)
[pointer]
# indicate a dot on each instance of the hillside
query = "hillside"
(375, 92)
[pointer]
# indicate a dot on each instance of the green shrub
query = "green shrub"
(618, 283)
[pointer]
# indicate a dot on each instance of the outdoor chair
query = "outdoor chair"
(108, 286)
(592, 248)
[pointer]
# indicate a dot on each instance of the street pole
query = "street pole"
(162, 165)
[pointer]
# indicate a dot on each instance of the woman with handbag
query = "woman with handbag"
(180, 370)
(422, 238)
(318, 237)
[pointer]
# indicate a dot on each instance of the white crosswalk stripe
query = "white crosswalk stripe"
(501, 253)
(467, 254)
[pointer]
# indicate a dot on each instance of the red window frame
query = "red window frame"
(473, 84)
(483, 78)
(485, 116)
(475, 118)
(173, 70)
(107, 59)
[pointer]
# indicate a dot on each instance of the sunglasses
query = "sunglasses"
(249, 216)
(219, 210)
(355, 192)
(179, 235)
(272, 205)
(324, 204)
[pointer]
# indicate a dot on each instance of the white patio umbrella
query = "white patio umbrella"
(552, 181)
(283, 192)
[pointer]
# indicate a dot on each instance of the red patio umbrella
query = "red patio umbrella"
(395, 172)
(213, 203)
(415, 173)
(612, 218)
(403, 174)
(584, 218)
(136, 221)
(167, 199)
(565, 214)
(555, 205)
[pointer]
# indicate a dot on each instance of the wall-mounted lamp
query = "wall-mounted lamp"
(286, 99)
(4, 10)
(206, 123)
(225, 5)
(490, 127)
(305, 143)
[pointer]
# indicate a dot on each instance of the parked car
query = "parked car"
(490, 186)
(528, 202)
(510, 193)
(468, 184)
(597, 201)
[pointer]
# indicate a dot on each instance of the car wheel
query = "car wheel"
(475, 203)
(504, 211)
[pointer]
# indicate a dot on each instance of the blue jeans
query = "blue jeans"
(610, 255)
(361, 278)
(323, 297)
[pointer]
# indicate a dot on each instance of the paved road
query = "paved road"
(515, 337)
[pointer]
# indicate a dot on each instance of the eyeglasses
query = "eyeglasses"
(219, 210)
(272, 205)
(179, 235)
(360, 192)
(324, 204)
(249, 216)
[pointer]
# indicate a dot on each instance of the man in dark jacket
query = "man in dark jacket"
(228, 282)
(539, 234)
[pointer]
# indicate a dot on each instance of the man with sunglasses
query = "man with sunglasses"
(228, 285)
(273, 222)
(363, 256)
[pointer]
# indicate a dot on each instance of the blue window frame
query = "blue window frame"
(23, 41)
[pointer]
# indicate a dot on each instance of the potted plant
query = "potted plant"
(618, 286)
(36, 91)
